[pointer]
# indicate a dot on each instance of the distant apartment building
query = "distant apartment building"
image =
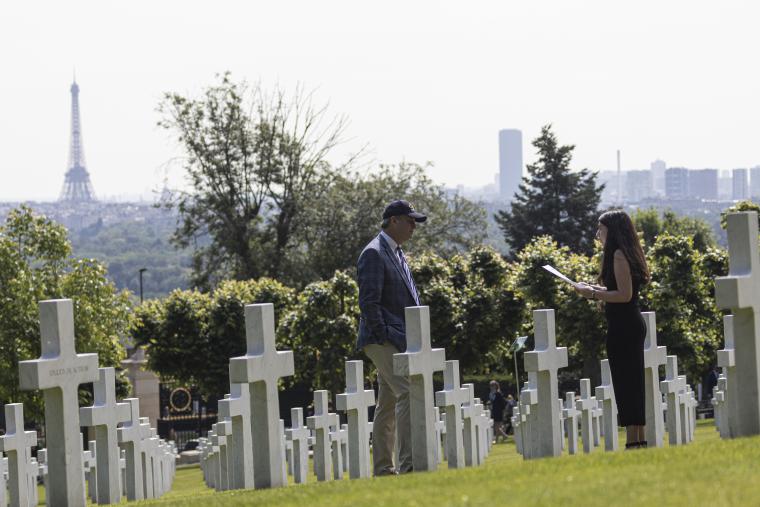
(677, 183)
(610, 181)
(740, 184)
(510, 163)
(658, 168)
(703, 184)
(754, 182)
(724, 185)
(638, 185)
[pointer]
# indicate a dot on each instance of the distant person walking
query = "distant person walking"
(386, 287)
(624, 270)
(498, 404)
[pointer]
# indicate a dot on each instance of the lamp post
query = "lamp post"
(517, 346)
(142, 270)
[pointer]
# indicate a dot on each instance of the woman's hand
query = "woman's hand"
(584, 289)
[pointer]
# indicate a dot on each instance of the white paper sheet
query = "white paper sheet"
(555, 272)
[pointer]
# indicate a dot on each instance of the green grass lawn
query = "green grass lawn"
(707, 472)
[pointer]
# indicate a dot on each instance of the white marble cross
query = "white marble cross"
(545, 359)
(477, 423)
(17, 444)
(517, 429)
(298, 434)
(686, 422)
(335, 450)
(571, 422)
(597, 415)
(469, 427)
(34, 473)
(561, 417)
(355, 402)
(721, 420)
(237, 408)
(740, 292)
(3, 487)
(130, 440)
(344, 446)
(482, 431)
(146, 447)
(58, 373)
(419, 362)
(213, 459)
(104, 415)
(123, 469)
(261, 368)
(222, 431)
(528, 403)
(586, 405)
(451, 399)
(319, 423)
(284, 452)
(42, 460)
(605, 393)
(654, 357)
(727, 362)
(91, 470)
(440, 427)
(671, 387)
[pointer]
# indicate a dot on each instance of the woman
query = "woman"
(623, 272)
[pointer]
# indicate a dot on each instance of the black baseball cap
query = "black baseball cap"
(400, 207)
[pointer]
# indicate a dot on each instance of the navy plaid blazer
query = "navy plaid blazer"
(383, 294)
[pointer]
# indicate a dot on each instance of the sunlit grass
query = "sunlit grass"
(707, 472)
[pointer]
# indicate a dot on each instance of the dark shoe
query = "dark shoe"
(386, 472)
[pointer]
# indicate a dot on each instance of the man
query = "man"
(497, 404)
(386, 287)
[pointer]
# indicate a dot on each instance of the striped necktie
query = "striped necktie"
(408, 274)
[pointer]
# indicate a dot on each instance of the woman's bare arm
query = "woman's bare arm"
(624, 291)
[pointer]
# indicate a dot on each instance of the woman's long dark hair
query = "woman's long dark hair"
(621, 235)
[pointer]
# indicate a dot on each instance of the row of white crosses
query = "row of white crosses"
(724, 397)
(58, 373)
(736, 398)
(740, 293)
(249, 447)
(541, 420)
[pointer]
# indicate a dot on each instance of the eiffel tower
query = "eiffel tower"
(77, 187)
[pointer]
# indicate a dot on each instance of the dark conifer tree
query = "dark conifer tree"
(553, 200)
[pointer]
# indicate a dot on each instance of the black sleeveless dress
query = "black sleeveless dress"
(626, 331)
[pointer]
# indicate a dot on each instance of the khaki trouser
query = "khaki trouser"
(392, 424)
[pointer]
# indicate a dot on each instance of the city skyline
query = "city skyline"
(419, 82)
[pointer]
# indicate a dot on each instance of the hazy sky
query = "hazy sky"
(419, 80)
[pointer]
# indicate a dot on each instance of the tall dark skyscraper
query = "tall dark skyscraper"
(77, 187)
(510, 163)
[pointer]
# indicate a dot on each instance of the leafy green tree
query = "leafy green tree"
(682, 295)
(651, 225)
(553, 200)
(580, 324)
(343, 219)
(36, 265)
(190, 336)
(473, 312)
(739, 206)
(321, 330)
(252, 160)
